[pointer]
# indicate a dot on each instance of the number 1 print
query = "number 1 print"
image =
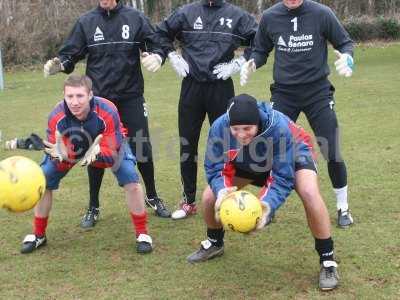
(294, 21)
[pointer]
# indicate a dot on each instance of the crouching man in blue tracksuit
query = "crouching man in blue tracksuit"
(254, 144)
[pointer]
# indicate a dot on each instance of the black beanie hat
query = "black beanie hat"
(243, 110)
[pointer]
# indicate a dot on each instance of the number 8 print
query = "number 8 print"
(125, 32)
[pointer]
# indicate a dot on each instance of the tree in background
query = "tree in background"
(32, 31)
(344, 8)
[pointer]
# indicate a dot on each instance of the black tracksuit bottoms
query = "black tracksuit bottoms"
(196, 100)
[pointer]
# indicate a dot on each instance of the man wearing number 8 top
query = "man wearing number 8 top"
(299, 31)
(113, 37)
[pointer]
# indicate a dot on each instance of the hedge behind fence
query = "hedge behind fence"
(364, 29)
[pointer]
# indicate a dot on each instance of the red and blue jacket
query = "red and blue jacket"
(79, 135)
(279, 145)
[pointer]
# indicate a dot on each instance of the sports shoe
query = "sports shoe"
(159, 207)
(184, 211)
(207, 251)
(344, 218)
(31, 242)
(90, 218)
(328, 276)
(144, 244)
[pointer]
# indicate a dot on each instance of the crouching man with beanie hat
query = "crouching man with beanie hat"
(254, 144)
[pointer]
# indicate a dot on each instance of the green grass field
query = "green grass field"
(279, 263)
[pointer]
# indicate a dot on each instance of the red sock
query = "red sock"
(39, 226)
(140, 223)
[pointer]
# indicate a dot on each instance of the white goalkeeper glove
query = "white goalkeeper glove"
(226, 70)
(92, 152)
(344, 64)
(247, 69)
(58, 150)
(180, 65)
(52, 67)
(220, 198)
(151, 61)
(265, 218)
(11, 144)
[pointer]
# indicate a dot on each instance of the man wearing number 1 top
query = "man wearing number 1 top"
(114, 37)
(299, 30)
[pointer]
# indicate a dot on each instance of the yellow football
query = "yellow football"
(240, 211)
(22, 183)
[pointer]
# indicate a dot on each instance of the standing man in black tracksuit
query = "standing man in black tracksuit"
(112, 37)
(209, 31)
(299, 31)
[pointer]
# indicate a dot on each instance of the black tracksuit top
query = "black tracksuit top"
(208, 34)
(112, 41)
(300, 38)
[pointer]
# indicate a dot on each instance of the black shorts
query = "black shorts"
(259, 179)
(309, 98)
(316, 100)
